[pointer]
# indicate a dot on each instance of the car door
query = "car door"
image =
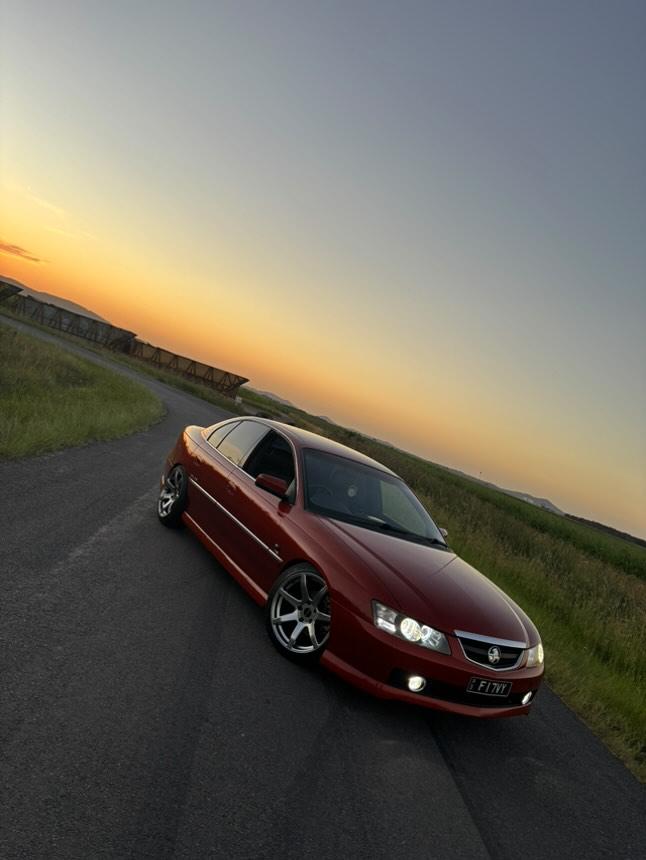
(208, 472)
(219, 483)
(262, 534)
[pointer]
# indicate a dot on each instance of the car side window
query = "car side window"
(236, 445)
(220, 432)
(271, 456)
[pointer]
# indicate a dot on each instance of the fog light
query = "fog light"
(527, 698)
(416, 683)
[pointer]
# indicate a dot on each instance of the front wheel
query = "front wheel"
(172, 497)
(298, 614)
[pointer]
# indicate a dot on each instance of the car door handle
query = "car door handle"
(231, 488)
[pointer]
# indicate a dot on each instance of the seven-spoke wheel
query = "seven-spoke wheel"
(298, 613)
(172, 497)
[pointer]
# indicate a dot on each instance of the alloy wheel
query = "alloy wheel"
(300, 612)
(170, 492)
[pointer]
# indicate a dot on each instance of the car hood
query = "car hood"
(437, 587)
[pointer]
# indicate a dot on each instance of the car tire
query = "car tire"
(297, 614)
(172, 497)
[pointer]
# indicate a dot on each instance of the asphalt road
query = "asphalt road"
(144, 713)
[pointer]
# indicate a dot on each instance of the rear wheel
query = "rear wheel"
(298, 614)
(172, 497)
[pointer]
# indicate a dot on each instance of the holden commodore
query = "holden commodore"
(352, 571)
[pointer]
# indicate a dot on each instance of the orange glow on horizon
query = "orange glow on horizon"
(227, 328)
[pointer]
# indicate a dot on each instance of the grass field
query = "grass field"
(585, 589)
(50, 399)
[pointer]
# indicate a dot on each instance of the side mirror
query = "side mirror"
(276, 486)
(444, 533)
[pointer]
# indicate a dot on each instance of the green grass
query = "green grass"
(50, 399)
(167, 376)
(616, 551)
(585, 589)
(173, 379)
(629, 557)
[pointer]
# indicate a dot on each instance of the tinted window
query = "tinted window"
(236, 445)
(396, 507)
(346, 490)
(272, 456)
(218, 435)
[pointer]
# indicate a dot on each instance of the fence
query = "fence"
(120, 340)
(102, 333)
(222, 380)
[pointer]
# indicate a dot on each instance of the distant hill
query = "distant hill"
(524, 497)
(273, 397)
(533, 500)
(54, 300)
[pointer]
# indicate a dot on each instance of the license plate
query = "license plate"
(489, 688)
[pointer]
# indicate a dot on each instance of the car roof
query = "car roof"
(313, 441)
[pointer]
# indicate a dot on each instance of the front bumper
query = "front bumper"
(379, 663)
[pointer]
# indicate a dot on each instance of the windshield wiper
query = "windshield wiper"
(384, 525)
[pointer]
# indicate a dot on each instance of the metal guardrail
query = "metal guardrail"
(102, 333)
(120, 340)
(222, 380)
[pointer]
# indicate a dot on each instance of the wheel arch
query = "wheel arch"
(294, 562)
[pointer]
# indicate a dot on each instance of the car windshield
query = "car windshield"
(345, 490)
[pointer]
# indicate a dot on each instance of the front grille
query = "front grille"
(450, 693)
(478, 652)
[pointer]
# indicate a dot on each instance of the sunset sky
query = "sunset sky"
(425, 220)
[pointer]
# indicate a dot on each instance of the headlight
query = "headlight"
(535, 656)
(408, 629)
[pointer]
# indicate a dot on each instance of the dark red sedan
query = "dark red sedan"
(352, 571)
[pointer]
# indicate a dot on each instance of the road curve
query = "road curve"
(144, 713)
